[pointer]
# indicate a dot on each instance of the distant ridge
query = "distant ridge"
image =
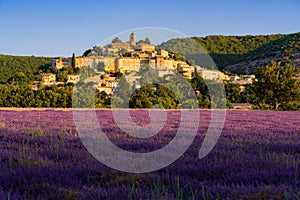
(240, 54)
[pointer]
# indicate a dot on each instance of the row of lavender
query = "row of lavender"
(257, 156)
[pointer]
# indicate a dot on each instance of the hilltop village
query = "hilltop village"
(29, 81)
(129, 58)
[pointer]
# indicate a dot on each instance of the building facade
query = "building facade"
(124, 64)
(48, 79)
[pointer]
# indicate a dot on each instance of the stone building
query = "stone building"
(124, 64)
(164, 63)
(208, 74)
(243, 80)
(144, 47)
(61, 62)
(107, 85)
(84, 61)
(73, 78)
(163, 53)
(120, 45)
(48, 78)
(186, 70)
(224, 77)
(242, 106)
(109, 64)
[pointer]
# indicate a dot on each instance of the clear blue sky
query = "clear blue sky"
(55, 28)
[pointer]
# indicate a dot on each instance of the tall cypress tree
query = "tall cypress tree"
(73, 61)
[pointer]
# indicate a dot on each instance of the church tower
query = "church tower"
(132, 40)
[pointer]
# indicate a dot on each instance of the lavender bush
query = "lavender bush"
(256, 157)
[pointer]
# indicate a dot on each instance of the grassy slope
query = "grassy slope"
(238, 53)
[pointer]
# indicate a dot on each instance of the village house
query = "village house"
(207, 74)
(143, 47)
(144, 55)
(101, 88)
(234, 78)
(163, 63)
(107, 85)
(120, 45)
(112, 82)
(48, 78)
(60, 62)
(73, 78)
(243, 80)
(163, 53)
(248, 78)
(223, 76)
(242, 106)
(186, 70)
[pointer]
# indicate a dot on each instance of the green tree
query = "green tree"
(86, 72)
(116, 40)
(122, 94)
(124, 52)
(233, 93)
(4, 91)
(62, 75)
(102, 100)
(84, 95)
(276, 85)
(27, 96)
(117, 74)
(147, 40)
(87, 53)
(96, 51)
(73, 61)
(20, 77)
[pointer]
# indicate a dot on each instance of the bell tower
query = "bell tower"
(132, 40)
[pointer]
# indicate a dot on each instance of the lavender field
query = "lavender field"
(256, 157)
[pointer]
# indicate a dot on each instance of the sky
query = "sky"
(59, 28)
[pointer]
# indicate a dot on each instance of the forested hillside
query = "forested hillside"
(27, 66)
(240, 54)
